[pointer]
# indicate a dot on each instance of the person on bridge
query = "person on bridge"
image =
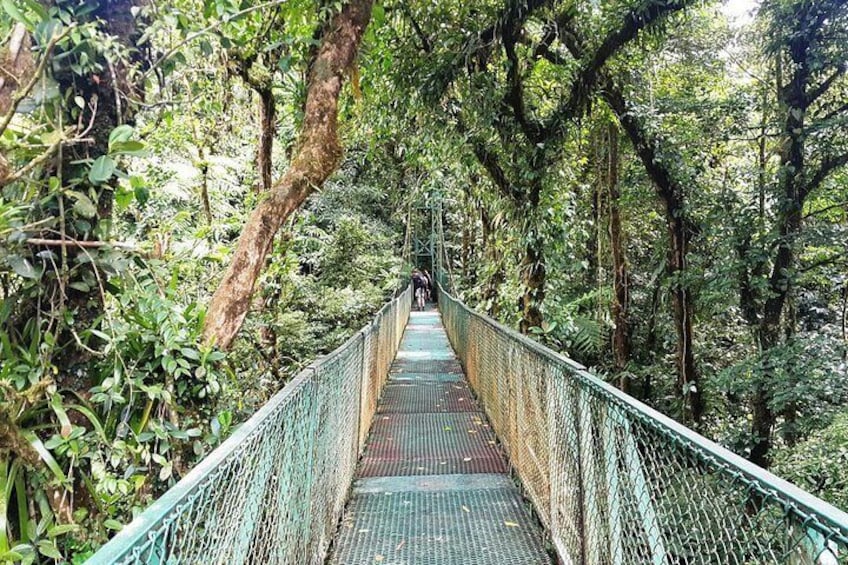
(428, 290)
(419, 285)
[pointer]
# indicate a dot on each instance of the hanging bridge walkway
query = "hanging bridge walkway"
(441, 437)
(432, 484)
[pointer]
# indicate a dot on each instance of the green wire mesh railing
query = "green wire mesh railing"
(615, 482)
(274, 491)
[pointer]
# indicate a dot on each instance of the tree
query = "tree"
(808, 41)
(317, 155)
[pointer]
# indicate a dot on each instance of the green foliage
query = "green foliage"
(819, 464)
(124, 436)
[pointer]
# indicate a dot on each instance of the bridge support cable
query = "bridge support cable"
(274, 491)
(615, 481)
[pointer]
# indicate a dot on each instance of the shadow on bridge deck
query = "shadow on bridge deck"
(432, 486)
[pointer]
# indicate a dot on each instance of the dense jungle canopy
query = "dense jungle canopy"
(198, 197)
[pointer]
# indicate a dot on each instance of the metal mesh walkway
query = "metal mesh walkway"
(431, 485)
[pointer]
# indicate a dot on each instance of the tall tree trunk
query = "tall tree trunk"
(688, 378)
(533, 278)
(769, 333)
(111, 92)
(466, 238)
(844, 323)
(651, 337)
(267, 130)
(592, 241)
(792, 98)
(533, 269)
(751, 265)
(317, 156)
(621, 281)
(491, 256)
(762, 159)
(680, 230)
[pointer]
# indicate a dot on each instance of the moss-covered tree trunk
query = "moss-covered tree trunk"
(621, 345)
(267, 129)
(533, 278)
(316, 157)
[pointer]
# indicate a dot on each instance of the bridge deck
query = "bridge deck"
(432, 486)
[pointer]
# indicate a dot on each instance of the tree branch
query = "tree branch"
(214, 25)
(516, 12)
(426, 44)
(37, 161)
(824, 86)
(645, 144)
(588, 75)
(835, 112)
(489, 161)
(81, 243)
(821, 263)
(550, 34)
(514, 97)
(826, 209)
(828, 165)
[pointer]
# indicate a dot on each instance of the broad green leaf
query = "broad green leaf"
(124, 197)
(102, 169)
(135, 148)
(142, 194)
(113, 524)
(45, 456)
(80, 286)
(61, 414)
(23, 267)
(48, 549)
(378, 15)
(60, 529)
(120, 134)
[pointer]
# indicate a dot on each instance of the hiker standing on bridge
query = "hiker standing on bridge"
(428, 290)
(419, 285)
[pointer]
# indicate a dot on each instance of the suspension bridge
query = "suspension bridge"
(442, 437)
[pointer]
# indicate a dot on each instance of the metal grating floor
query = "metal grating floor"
(424, 444)
(426, 366)
(467, 527)
(411, 397)
(424, 377)
(432, 485)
